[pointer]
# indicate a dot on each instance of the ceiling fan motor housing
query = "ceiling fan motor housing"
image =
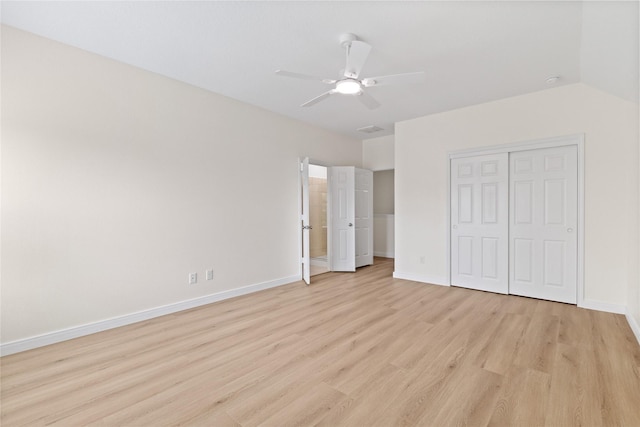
(346, 39)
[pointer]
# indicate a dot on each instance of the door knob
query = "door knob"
(569, 230)
(455, 226)
(350, 225)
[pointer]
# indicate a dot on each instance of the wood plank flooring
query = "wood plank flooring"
(359, 349)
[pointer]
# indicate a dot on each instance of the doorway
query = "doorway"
(318, 219)
(337, 226)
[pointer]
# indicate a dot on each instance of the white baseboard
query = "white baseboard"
(421, 278)
(633, 323)
(602, 306)
(384, 254)
(103, 325)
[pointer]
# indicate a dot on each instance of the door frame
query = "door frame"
(559, 141)
(305, 261)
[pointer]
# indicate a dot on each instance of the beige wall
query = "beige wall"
(610, 126)
(116, 183)
(378, 153)
(383, 240)
(383, 192)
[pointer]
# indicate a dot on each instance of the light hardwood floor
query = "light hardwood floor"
(359, 349)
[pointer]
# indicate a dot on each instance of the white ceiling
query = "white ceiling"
(471, 52)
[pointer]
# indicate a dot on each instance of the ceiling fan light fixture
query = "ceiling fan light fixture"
(348, 87)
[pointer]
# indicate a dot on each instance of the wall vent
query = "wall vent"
(370, 129)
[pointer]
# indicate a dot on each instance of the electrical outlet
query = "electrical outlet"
(193, 278)
(422, 259)
(209, 274)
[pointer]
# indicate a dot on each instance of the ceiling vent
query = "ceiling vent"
(370, 129)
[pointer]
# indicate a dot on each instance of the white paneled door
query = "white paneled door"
(543, 224)
(364, 217)
(342, 208)
(351, 214)
(479, 222)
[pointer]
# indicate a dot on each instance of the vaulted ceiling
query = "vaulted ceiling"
(470, 52)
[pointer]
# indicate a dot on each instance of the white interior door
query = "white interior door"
(342, 209)
(304, 220)
(479, 222)
(364, 217)
(543, 231)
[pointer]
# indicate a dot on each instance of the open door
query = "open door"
(304, 220)
(364, 217)
(342, 208)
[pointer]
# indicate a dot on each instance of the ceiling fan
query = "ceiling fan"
(350, 82)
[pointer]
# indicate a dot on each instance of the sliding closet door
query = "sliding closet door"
(543, 225)
(479, 222)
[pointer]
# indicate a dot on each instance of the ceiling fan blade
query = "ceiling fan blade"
(368, 101)
(318, 98)
(357, 53)
(394, 79)
(303, 76)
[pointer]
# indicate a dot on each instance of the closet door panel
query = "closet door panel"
(479, 222)
(543, 223)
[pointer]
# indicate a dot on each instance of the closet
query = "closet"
(514, 220)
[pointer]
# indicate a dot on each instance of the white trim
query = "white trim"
(633, 324)
(299, 216)
(432, 280)
(535, 144)
(574, 139)
(448, 245)
(103, 325)
(580, 273)
(602, 306)
(384, 254)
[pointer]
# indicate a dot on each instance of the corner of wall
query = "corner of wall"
(379, 153)
(634, 324)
